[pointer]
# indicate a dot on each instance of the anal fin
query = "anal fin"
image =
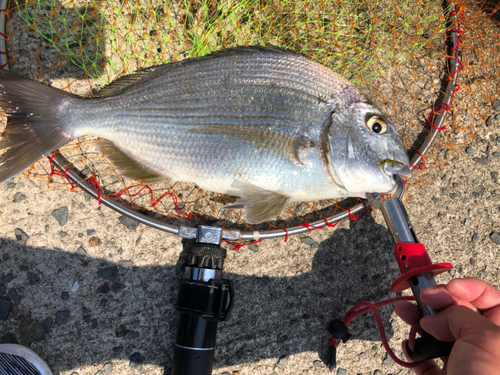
(260, 204)
(128, 167)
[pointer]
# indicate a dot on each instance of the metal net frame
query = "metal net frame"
(388, 49)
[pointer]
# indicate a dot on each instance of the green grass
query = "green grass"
(359, 39)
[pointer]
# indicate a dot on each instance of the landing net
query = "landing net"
(398, 53)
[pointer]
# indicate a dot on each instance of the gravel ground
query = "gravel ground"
(93, 293)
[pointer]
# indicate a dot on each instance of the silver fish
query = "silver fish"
(263, 124)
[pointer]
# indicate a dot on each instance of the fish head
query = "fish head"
(365, 150)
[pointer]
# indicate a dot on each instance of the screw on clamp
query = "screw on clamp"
(205, 298)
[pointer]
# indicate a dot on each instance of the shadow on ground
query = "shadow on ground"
(127, 312)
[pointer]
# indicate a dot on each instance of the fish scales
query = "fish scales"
(266, 125)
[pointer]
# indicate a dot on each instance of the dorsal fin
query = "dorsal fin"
(121, 84)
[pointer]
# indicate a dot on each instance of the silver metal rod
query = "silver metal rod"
(398, 223)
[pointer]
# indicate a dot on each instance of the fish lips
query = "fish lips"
(392, 167)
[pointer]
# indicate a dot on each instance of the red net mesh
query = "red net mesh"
(394, 51)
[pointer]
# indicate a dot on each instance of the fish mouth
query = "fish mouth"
(392, 167)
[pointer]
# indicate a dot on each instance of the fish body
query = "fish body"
(266, 125)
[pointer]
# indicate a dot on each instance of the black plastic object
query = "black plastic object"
(192, 362)
(337, 329)
(428, 347)
(332, 358)
(204, 299)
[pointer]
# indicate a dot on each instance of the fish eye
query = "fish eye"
(376, 125)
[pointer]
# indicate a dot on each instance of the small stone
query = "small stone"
(495, 238)
(254, 247)
(472, 261)
(125, 263)
(387, 360)
(94, 241)
(494, 175)
(47, 324)
(109, 273)
(309, 241)
(132, 334)
(469, 150)
(7, 278)
(481, 272)
(33, 278)
(341, 371)
(21, 237)
(455, 184)
(75, 286)
(378, 372)
(23, 267)
(2, 289)
(317, 363)
(13, 297)
(240, 353)
(116, 287)
(18, 197)
(475, 238)
(496, 105)
(108, 367)
(136, 361)
(65, 296)
(466, 222)
(81, 251)
(62, 316)
(117, 350)
(61, 215)
(496, 154)
(80, 235)
(282, 361)
(99, 373)
(90, 232)
(444, 191)
(225, 373)
(11, 185)
(483, 160)
(109, 245)
(5, 306)
(128, 222)
(103, 289)
(63, 234)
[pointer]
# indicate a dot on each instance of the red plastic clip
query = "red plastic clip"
(413, 260)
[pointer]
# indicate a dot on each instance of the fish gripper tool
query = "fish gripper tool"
(417, 269)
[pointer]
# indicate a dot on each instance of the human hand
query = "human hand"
(470, 316)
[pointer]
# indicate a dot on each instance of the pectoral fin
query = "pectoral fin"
(260, 204)
(127, 166)
(284, 145)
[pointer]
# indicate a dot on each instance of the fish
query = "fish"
(264, 124)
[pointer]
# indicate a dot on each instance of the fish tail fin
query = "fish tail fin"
(34, 128)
